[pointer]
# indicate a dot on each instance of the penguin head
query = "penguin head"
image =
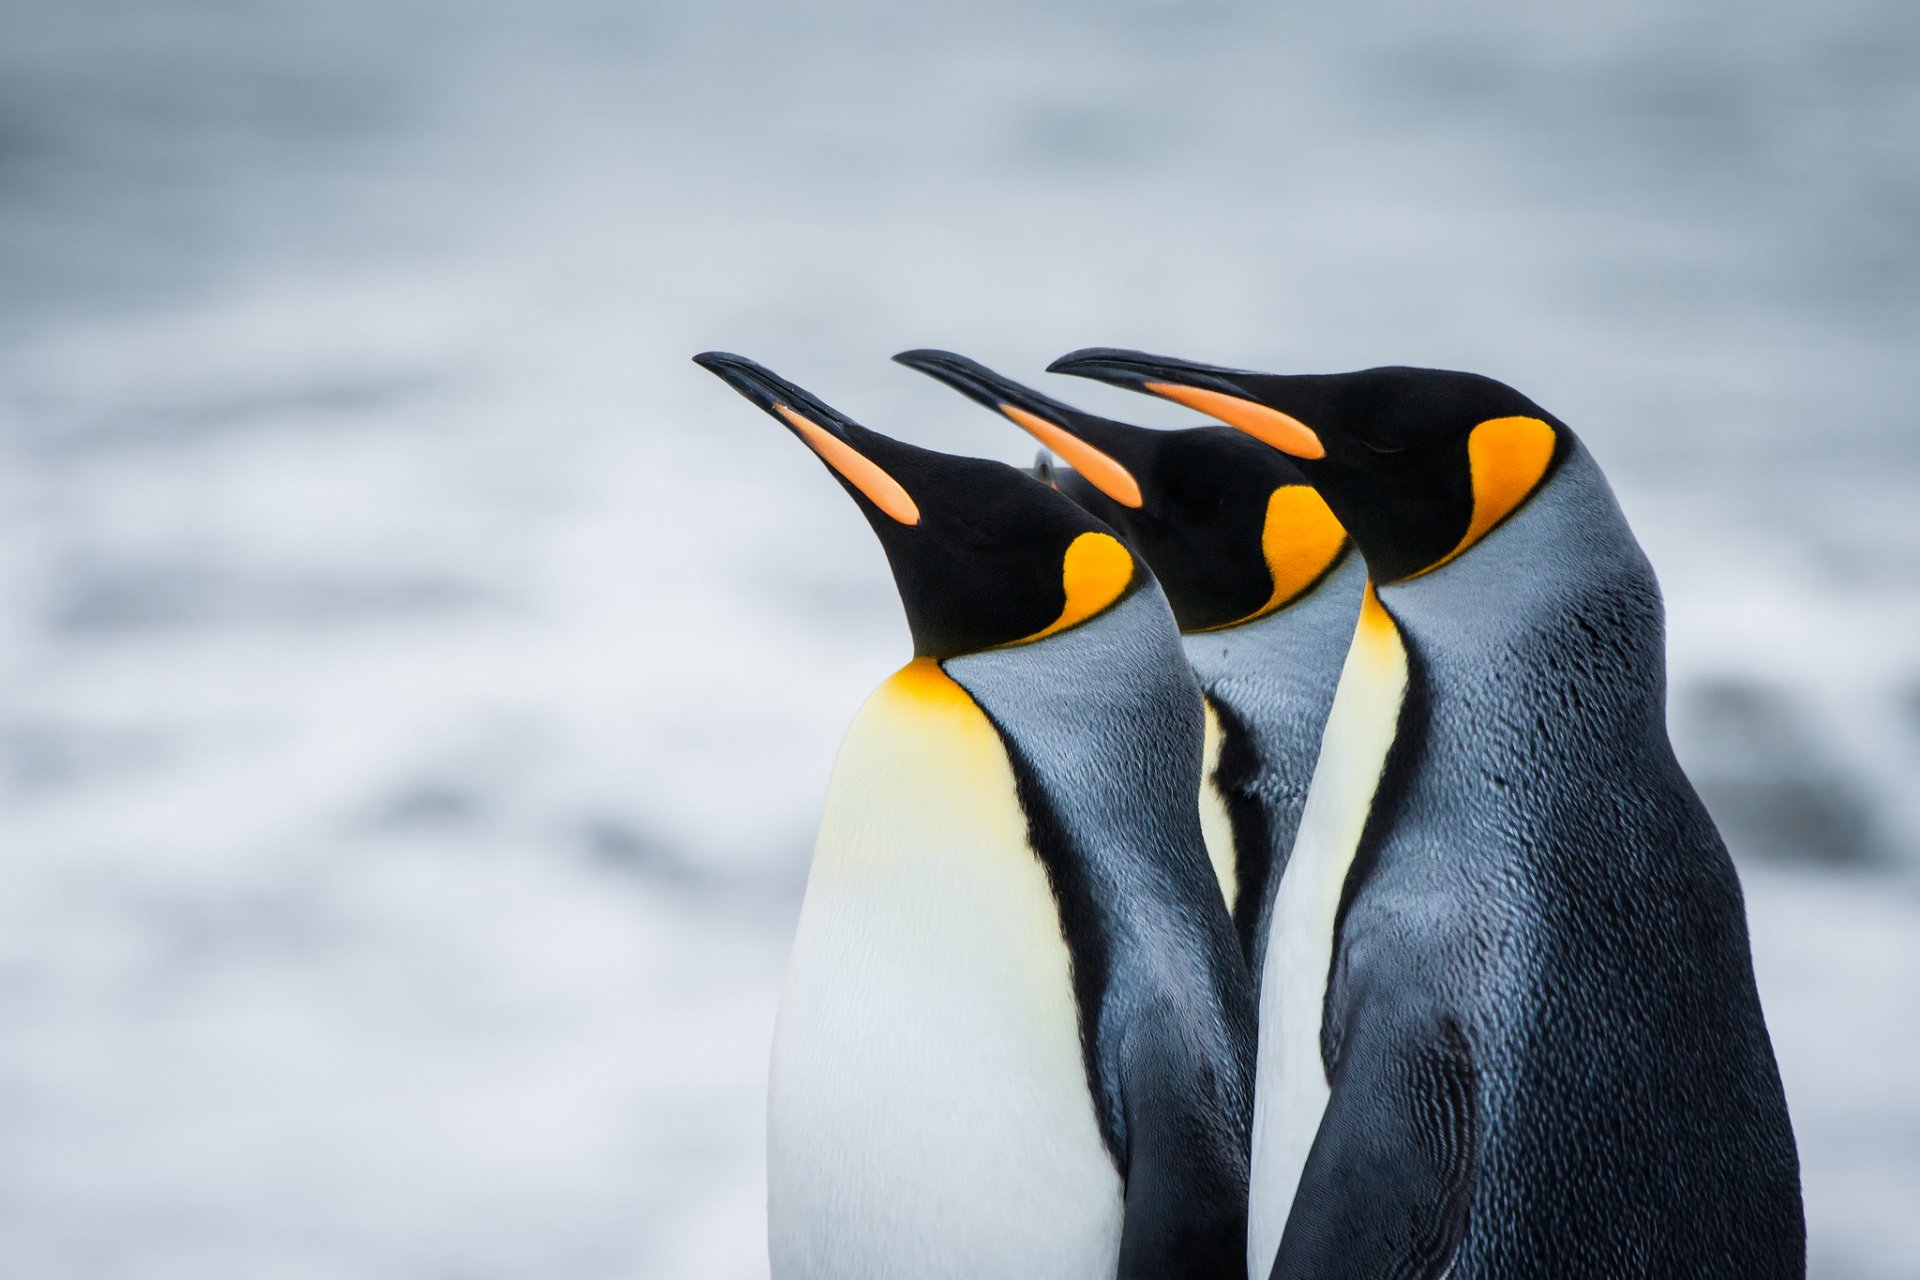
(984, 556)
(1231, 528)
(1417, 464)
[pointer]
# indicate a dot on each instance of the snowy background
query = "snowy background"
(417, 680)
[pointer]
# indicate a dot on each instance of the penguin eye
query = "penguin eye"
(1191, 492)
(1194, 504)
(1383, 451)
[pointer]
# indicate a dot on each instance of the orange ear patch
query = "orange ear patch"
(1267, 425)
(1100, 469)
(1507, 458)
(1095, 572)
(860, 471)
(1300, 540)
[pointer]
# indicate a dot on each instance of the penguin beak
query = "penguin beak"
(841, 443)
(1060, 427)
(1217, 392)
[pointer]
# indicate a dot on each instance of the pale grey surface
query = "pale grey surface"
(417, 680)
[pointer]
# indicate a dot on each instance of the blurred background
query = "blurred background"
(417, 680)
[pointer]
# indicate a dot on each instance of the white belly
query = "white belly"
(1216, 827)
(929, 1113)
(1290, 1090)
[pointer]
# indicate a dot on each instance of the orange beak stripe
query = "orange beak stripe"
(860, 471)
(1269, 426)
(1100, 469)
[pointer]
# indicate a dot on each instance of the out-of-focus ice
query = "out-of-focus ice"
(417, 680)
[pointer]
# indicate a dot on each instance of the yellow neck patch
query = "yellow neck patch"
(1376, 627)
(1101, 470)
(1301, 540)
(1095, 571)
(1507, 458)
(923, 681)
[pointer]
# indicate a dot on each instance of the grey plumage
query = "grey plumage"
(1272, 681)
(1104, 726)
(1545, 1047)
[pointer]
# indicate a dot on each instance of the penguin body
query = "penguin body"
(1263, 584)
(1586, 1002)
(1270, 687)
(1360, 732)
(900, 1095)
(1509, 1024)
(1016, 1034)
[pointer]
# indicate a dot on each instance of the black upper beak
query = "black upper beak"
(867, 463)
(1135, 369)
(1109, 455)
(769, 390)
(1234, 396)
(983, 386)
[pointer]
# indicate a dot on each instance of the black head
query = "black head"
(983, 555)
(1418, 464)
(1230, 527)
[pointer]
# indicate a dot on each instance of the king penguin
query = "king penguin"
(1263, 585)
(1509, 1025)
(1016, 1033)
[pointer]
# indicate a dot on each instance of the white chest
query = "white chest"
(1216, 825)
(1290, 1092)
(929, 1113)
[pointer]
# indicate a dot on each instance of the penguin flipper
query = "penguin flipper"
(1186, 1145)
(1388, 1181)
